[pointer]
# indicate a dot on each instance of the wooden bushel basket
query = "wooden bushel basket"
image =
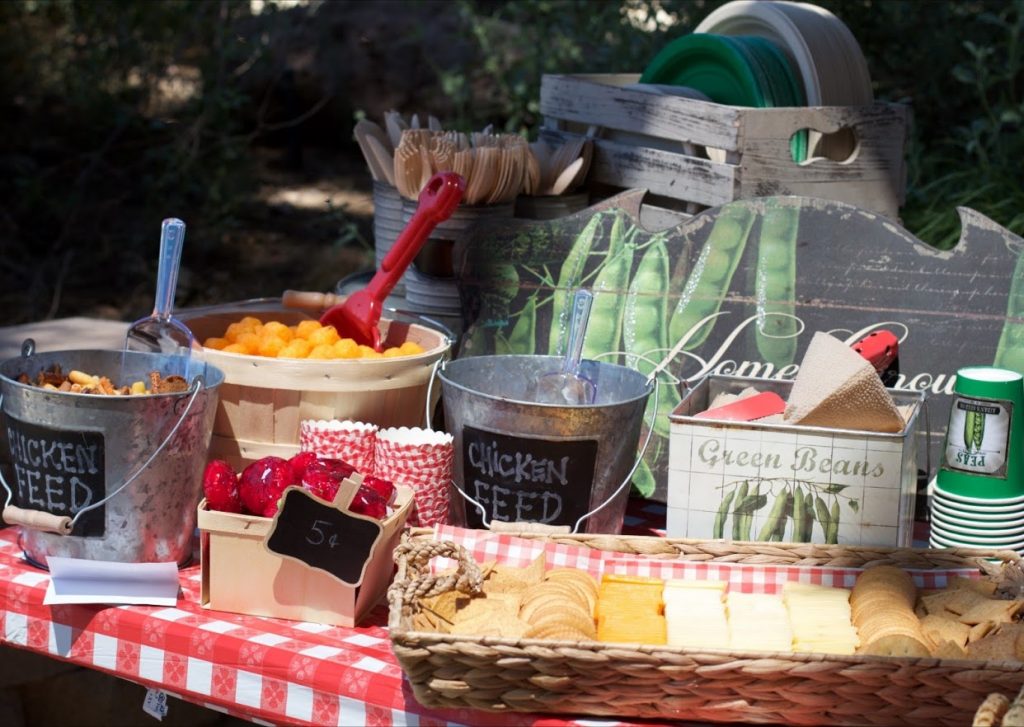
(630, 680)
(263, 400)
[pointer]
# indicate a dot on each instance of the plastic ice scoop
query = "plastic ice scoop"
(569, 386)
(358, 317)
(160, 332)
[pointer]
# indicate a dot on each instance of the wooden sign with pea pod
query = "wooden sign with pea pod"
(740, 290)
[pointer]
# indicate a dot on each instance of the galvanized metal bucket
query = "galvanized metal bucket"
(520, 461)
(114, 478)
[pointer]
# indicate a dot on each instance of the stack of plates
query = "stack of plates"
(738, 71)
(827, 57)
(959, 521)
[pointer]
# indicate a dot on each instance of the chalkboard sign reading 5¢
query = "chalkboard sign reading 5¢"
(323, 536)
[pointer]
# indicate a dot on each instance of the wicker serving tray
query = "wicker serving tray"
(530, 675)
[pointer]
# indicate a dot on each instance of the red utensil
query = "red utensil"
(358, 317)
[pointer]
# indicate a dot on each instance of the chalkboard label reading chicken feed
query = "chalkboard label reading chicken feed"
(978, 436)
(522, 479)
(58, 471)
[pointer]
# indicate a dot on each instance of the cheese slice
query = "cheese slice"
(837, 387)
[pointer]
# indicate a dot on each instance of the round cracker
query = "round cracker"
(896, 645)
(567, 617)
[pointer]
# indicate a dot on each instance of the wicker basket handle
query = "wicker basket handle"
(421, 583)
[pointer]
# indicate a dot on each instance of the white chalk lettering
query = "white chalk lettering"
(489, 460)
(521, 505)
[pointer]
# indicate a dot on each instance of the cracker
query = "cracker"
(982, 585)
(938, 630)
(501, 625)
(897, 645)
(949, 650)
(467, 610)
(534, 573)
(566, 617)
(575, 575)
(996, 646)
(988, 609)
(979, 631)
(962, 600)
(936, 603)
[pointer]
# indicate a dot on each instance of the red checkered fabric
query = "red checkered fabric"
(519, 552)
(272, 670)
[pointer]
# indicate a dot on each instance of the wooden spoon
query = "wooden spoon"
(566, 177)
(383, 157)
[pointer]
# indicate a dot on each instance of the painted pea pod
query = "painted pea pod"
(798, 514)
(737, 519)
(522, 339)
(1010, 349)
(823, 517)
(645, 329)
(775, 516)
(832, 532)
(643, 479)
(712, 274)
(808, 518)
(755, 501)
(570, 275)
(718, 530)
(777, 326)
(605, 328)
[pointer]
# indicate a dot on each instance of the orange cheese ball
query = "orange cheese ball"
(306, 339)
(304, 328)
(346, 348)
(296, 348)
(325, 336)
(270, 346)
(250, 341)
(278, 330)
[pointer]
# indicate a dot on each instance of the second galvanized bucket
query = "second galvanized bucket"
(520, 461)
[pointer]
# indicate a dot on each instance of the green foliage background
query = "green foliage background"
(91, 158)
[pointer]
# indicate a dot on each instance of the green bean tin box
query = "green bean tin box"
(783, 482)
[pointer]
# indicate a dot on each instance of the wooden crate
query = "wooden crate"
(240, 575)
(658, 142)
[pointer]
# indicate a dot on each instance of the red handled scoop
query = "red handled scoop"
(358, 317)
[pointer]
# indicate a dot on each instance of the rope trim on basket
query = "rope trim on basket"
(415, 556)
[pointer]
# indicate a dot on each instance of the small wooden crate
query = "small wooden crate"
(240, 575)
(263, 400)
(659, 142)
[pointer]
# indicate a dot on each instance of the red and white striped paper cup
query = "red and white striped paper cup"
(349, 440)
(421, 459)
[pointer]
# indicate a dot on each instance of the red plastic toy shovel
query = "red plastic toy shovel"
(358, 317)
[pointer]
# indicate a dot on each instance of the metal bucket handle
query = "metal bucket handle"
(539, 527)
(63, 524)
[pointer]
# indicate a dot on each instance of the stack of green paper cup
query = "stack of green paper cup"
(978, 495)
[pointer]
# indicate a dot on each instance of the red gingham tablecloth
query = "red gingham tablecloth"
(276, 671)
(264, 669)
